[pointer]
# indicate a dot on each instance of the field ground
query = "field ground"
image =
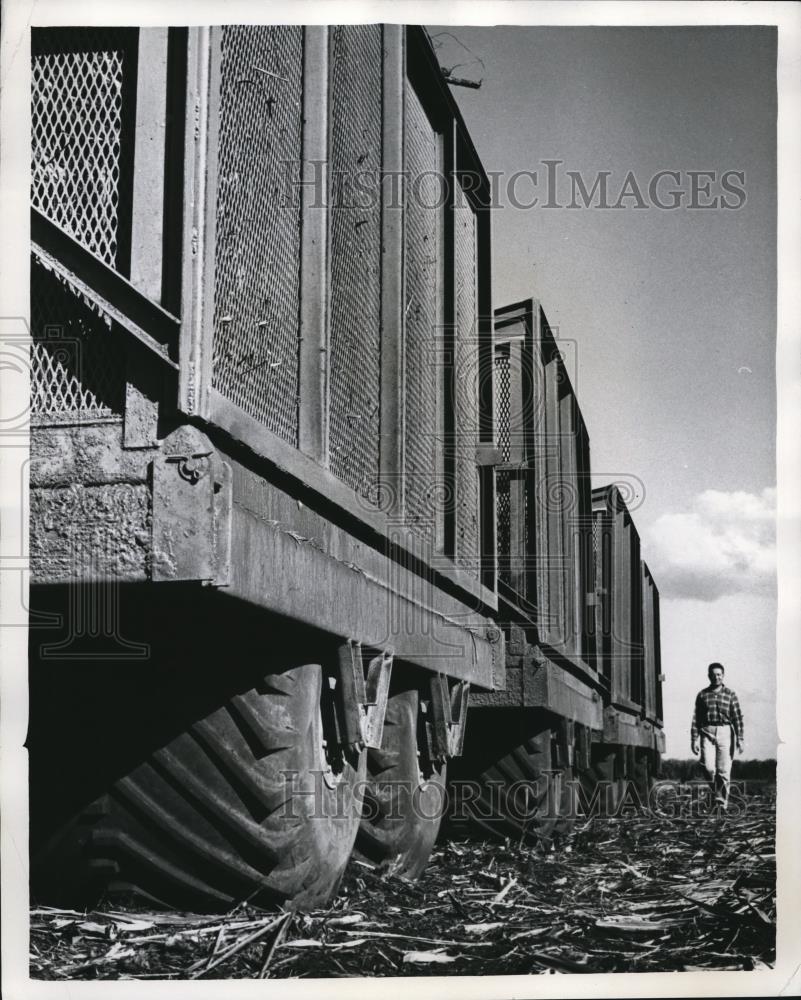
(643, 893)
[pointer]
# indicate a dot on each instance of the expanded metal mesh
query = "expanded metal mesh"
(603, 554)
(423, 322)
(257, 265)
(593, 561)
(467, 487)
(636, 682)
(649, 691)
(503, 402)
(603, 608)
(355, 163)
(82, 94)
(77, 371)
(503, 385)
(656, 638)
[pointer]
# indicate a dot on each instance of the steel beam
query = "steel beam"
(147, 215)
(392, 264)
(313, 363)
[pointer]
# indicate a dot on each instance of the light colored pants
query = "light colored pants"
(716, 757)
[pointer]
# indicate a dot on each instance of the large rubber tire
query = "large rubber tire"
(242, 804)
(509, 756)
(643, 776)
(405, 797)
(603, 772)
(534, 811)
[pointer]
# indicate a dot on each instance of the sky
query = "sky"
(670, 315)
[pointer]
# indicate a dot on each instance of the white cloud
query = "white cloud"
(724, 544)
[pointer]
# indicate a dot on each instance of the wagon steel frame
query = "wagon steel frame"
(197, 486)
(306, 520)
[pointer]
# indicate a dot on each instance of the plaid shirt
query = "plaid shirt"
(717, 707)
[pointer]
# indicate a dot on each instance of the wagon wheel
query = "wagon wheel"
(643, 777)
(603, 789)
(405, 795)
(522, 795)
(244, 803)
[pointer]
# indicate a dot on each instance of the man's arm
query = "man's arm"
(694, 727)
(737, 722)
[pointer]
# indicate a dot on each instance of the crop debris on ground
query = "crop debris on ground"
(641, 893)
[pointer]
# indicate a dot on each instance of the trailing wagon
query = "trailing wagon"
(296, 538)
(578, 722)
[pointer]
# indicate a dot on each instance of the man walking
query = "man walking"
(718, 721)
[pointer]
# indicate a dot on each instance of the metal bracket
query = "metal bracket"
(565, 742)
(582, 746)
(446, 729)
(611, 726)
(363, 700)
(488, 455)
(517, 465)
(192, 500)
(517, 642)
(595, 598)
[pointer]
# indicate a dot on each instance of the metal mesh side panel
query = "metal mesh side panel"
(502, 397)
(356, 63)
(593, 587)
(503, 389)
(423, 268)
(257, 265)
(649, 672)
(636, 635)
(467, 490)
(656, 638)
(602, 541)
(77, 370)
(81, 79)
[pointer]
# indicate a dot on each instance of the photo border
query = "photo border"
(18, 15)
